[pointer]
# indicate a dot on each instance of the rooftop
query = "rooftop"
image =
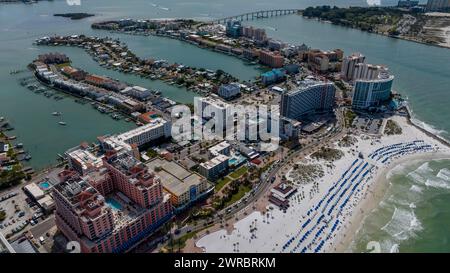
(174, 177)
(215, 150)
(214, 162)
(306, 84)
(85, 158)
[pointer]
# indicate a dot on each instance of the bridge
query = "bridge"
(257, 15)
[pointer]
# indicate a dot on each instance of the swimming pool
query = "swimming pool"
(236, 160)
(44, 185)
(113, 203)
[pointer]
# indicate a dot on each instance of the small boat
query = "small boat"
(12, 137)
(56, 113)
(62, 123)
(28, 157)
(19, 145)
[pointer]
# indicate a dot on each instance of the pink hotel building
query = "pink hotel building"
(113, 208)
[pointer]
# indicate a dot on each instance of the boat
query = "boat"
(12, 137)
(62, 123)
(19, 145)
(115, 116)
(56, 113)
(27, 157)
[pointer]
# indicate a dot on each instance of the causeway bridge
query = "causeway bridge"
(257, 15)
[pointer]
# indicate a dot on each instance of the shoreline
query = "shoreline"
(381, 185)
(276, 230)
(381, 34)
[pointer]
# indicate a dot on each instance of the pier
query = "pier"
(257, 15)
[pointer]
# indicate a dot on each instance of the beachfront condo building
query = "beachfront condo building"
(215, 167)
(372, 92)
(367, 71)
(112, 209)
(309, 98)
(349, 64)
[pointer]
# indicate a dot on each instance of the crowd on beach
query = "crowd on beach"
(321, 223)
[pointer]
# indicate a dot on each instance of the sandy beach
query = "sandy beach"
(325, 214)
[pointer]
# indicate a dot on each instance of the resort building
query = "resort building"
(127, 212)
(349, 64)
(233, 28)
(185, 187)
(323, 61)
(273, 76)
(137, 92)
(257, 34)
(271, 59)
(372, 92)
(367, 71)
(82, 160)
(229, 91)
(156, 129)
(276, 45)
(207, 108)
(310, 97)
(215, 167)
(222, 148)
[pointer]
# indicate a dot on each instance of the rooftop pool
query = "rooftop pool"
(113, 203)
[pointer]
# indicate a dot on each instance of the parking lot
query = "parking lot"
(20, 213)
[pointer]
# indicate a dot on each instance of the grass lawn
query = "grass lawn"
(180, 243)
(222, 182)
(239, 172)
(242, 191)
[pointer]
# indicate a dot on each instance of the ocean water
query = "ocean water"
(414, 215)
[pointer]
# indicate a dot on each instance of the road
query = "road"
(263, 187)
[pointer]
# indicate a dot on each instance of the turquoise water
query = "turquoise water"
(44, 185)
(415, 214)
(114, 204)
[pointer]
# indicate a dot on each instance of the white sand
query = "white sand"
(271, 232)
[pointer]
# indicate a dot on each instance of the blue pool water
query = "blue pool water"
(44, 185)
(236, 160)
(113, 203)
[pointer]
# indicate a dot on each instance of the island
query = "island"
(74, 16)
(408, 24)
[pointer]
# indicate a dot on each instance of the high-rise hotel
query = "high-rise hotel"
(310, 97)
(112, 208)
(372, 87)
